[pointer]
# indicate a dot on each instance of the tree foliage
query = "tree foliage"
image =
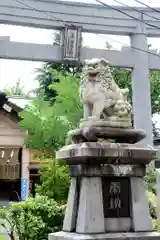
(123, 79)
(54, 181)
(49, 74)
(155, 93)
(150, 179)
(47, 125)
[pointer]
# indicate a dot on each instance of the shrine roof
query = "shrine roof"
(18, 102)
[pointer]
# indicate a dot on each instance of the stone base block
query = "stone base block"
(94, 133)
(112, 122)
(105, 153)
(106, 236)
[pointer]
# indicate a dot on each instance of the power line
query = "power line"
(50, 15)
(153, 9)
(112, 7)
(46, 13)
(135, 9)
(128, 15)
(41, 11)
(126, 45)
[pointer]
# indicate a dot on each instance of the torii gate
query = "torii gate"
(93, 18)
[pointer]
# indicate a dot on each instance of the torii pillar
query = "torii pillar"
(141, 84)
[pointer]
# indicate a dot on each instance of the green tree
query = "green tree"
(123, 79)
(52, 73)
(54, 181)
(46, 78)
(46, 74)
(47, 125)
(156, 131)
(155, 93)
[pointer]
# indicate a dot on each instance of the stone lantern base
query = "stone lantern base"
(107, 197)
(106, 236)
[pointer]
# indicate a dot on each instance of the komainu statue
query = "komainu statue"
(101, 97)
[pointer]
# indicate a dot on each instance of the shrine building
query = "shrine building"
(18, 171)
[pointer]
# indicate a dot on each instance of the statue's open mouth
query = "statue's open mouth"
(92, 75)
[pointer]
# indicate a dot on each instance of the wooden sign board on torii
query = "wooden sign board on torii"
(72, 19)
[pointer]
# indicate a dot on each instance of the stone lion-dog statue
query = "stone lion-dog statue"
(101, 97)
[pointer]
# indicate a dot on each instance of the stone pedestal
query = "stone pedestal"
(107, 197)
(105, 236)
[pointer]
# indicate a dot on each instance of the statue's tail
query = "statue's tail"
(125, 92)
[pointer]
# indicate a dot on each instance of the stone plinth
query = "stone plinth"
(107, 198)
(106, 236)
(107, 194)
(94, 132)
(105, 153)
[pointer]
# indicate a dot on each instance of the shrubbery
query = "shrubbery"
(36, 217)
(152, 204)
(150, 179)
(33, 219)
(54, 181)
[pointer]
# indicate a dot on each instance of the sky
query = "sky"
(12, 70)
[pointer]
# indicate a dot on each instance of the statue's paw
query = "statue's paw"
(122, 113)
(113, 118)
